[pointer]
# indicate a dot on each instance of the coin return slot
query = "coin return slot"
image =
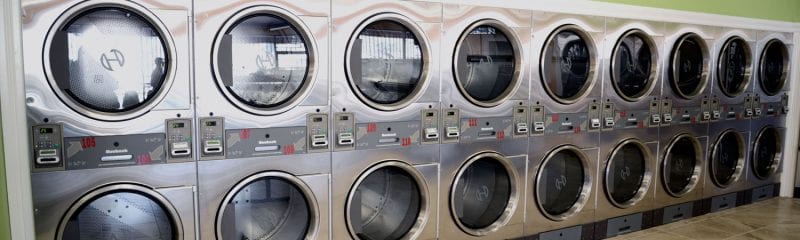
(319, 140)
(116, 158)
(212, 147)
(431, 133)
(345, 139)
(452, 132)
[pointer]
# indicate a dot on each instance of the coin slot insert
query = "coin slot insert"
(212, 146)
(431, 133)
(345, 138)
(319, 140)
(452, 132)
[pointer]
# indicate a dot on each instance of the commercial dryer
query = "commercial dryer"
(680, 172)
(110, 113)
(262, 95)
(732, 94)
(485, 93)
(385, 99)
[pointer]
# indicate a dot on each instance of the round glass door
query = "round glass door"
(681, 165)
(386, 202)
(727, 158)
(774, 67)
(263, 60)
(387, 62)
(733, 70)
(482, 194)
(269, 205)
(766, 153)
(562, 184)
(486, 63)
(688, 70)
(633, 66)
(109, 61)
(567, 64)
(625, 173)
(121, 211)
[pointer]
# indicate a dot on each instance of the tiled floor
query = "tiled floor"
(777, 218)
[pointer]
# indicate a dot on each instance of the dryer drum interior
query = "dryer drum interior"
(486, 63)
(482, 192)
(109, 60)
(267, 207)
(774, 67)
(633, 66)
(688, 70)
(681, 165)
(121, 211)
(625, 173)
(562, 184)
(733, 70)
(727, 158)
(567, 64)
(263, 60)
(387, 62)
(766, 152)
(385, 203)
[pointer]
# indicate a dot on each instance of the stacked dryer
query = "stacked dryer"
(626, 174)
(262, 104)
(771, 100)
(110, 112)
(565, 114)
(385, 104)
(485, 91)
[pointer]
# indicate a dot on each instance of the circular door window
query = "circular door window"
(766, 153)
(121, 211)
(269, 205)
(633, 66)
(733, 69)
(627, 176)
(774, 67)
(688, 70)
(563, 184)
(486, 63)
(263, 60)
(727, 158)
(109, 61)
(387, 202)
(567, 64)
(387, 62)
(682, 165)
(483, 194)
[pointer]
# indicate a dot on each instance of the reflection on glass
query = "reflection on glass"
(680, 165)
(120, 215)
(263, 60)
(733, 67)
(386, 62)
(724, 163)
(481, 194)
(560, 182)
(566, 65)
(485, 63)
(625, 173)
(632, 66)
(688, 56)
(766, 152)
(268, 208)
(772, 64)
(109, 59)
(385, 205)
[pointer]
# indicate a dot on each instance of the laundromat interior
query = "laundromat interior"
(399, 119)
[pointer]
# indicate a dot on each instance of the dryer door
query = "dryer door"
(567, 64)
(625, 173)
(483, 194)
(633, 66)
(486, 63)
(682, 165)
(121, 211)
(766, 152)
(563, 183)
(733, 70)
(727, 158)
(774, 67)
(688, 70)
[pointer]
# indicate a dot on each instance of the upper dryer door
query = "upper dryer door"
(486, 63)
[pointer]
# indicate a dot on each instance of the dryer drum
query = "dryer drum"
(774, 67)
(486, 63)
(625, 173)
(121, 211)
(385, 203)
(633, 66)
(727, 158)
(766, 153)
(263, 60)
(562, 184)
(482, 194)
(681, 166)
(688, 70)
(733, 70)
(267, 207)
(567, 64)
(109, 61)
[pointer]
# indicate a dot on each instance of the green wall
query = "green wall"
(781, 10)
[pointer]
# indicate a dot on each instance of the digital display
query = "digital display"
(344, 118)
(45, 130)
(317, 119)
(177, 125)
(211, 123)
(430, 114)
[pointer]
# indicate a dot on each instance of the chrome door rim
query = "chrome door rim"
(748, 67)
(739, 162)
(653, 65)
(646, 178)
(585, 190)
(697, 168)
(591, 48)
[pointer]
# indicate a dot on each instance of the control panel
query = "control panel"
(655, 113)
(430, 126)
(705, 110)
(47, 147)
(211, 136)
(450, 124)
(254, 142)
(609, 116)
(520, 124)
(89, 152)
(716, 109)
(748, 107)
(485, 129)
(666, 112)
(537, 120)
(757, 108)
(387, 134)
(785, 104)
(317, 132)
(344, 130)
(179, 140)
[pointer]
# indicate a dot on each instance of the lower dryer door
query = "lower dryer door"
(484, 194)
(563, 184)
(268, 205)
